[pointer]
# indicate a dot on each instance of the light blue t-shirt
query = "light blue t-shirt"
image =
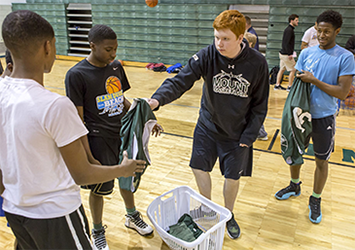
(326, 66)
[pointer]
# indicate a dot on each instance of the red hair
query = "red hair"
(230, 19)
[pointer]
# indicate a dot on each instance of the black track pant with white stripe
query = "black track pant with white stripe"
(67, 232)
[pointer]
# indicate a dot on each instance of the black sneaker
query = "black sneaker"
(279, 87)
(292, 189)
(233, 228)
(315, 214)
(288, 88)
(99, 239)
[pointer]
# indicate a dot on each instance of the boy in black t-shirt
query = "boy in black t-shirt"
(96, 86)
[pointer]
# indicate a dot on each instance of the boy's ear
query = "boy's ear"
(10, 67)
(47, 47)
(240, 38)
(92, 45)
(337, 30)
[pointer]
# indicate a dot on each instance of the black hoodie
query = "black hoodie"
(235, 91)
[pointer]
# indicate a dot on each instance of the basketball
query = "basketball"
(151, 3)
(121, 62)
(113, 85)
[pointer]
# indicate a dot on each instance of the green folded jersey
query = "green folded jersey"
(137, 125)
(296, 124)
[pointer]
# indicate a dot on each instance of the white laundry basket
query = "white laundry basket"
(166, 210)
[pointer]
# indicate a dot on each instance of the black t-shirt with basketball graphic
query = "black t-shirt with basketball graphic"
(100, 92)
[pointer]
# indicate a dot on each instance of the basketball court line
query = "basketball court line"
(267, 117)
(266, 151)
(273, 139)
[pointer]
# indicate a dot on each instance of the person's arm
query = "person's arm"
(84, 173)
(304, 45)
(339, 91)
(2, 188)
(174, 88)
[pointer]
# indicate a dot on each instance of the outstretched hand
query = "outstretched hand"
(157, 129)
(153, 103)
(131, 167)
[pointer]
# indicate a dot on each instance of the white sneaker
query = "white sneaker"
(99, 239)
(263, 138)
(262, 134)
(136, 222)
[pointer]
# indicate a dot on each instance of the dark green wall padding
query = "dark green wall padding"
(173, 31)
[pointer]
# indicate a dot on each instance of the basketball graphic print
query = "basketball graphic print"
(111, 103)
(113, 85)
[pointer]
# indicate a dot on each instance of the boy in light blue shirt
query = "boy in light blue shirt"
(329, 68)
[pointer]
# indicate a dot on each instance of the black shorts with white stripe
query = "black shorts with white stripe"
(323, 136)
(67, 232)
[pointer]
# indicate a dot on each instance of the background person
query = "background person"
(309, 38)
(286, 54)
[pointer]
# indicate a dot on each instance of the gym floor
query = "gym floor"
(265, 222)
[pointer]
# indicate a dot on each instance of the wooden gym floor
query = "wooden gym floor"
(266, 223)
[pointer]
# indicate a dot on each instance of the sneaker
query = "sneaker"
(292, 189)
(136, 222)
(203, 212)
(262, 134)
(233, 229)
(99, 239)
(262, 138)
(288, 88)
(315, 214)
(279, 87)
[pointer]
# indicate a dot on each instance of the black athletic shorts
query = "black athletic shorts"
(234, 161)
(323, 134)
(67, 232)
(107, 152)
